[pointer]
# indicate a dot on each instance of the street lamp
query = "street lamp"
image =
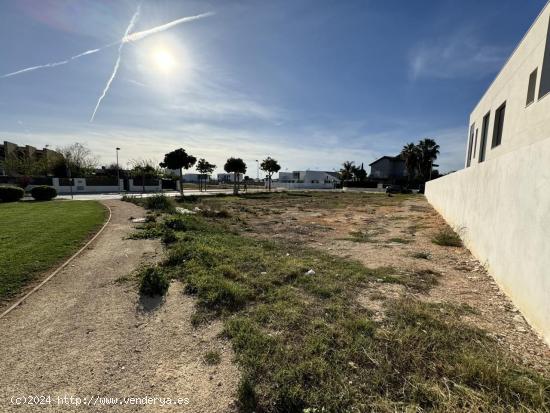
(117, 171)
(257, 170)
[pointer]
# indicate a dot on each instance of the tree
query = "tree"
(144, 169)
(346, 173)
(270, 166)
(411, 155)
(428, 150)
(359, 173)
(178, 160)
(235, 166)
(205, 168)
(78, 161)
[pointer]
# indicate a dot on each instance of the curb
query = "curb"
(61, 267)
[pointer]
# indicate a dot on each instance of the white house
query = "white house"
(228, 177)
(306, 180)
(500, 201)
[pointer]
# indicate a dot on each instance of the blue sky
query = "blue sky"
(310, 82)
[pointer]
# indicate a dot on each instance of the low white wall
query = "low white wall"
(303, 185)
(80, 186)
(502, 207)
(147, 188)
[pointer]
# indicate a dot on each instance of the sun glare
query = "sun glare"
(164, 60)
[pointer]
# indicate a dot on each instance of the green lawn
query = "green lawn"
(35, 236)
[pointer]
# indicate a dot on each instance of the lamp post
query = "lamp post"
(117, 171)
(257, 170)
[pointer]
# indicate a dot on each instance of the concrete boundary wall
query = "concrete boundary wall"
(501, 209)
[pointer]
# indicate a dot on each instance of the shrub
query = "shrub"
(159, 203)
(447, 238)
(43, 193)
(153, 282)
(9, 193)
(169, 236)
(175, 223)
(212, 358)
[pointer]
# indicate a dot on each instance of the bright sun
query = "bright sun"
(164, 60)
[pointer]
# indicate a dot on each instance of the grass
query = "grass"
(36, 236)
(304, 342)
(447, 237)
(421, 255)
(212, 358)
(399, 240)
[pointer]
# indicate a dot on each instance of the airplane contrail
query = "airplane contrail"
(117, 64)
(126, 39)
(145, 33)
(53, 64)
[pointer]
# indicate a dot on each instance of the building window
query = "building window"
(544, 87)
(499, 125)
(475, 144)
(484, 133)
(470, 144)
(531, 88)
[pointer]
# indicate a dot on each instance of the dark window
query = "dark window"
(470, 144)
(544, 87)
(531, 88)
(483, 141)
(499, 125)
(475, 144)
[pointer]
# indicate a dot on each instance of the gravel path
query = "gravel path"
(86, 334)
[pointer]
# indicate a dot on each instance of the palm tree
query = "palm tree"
(428, 151)
(346, 173)
(411, 155)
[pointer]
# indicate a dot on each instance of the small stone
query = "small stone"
(310, 272)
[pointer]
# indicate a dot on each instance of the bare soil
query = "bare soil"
(87, 333)
(393, 231)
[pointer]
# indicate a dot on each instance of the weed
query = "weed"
(176, 223)
(169, 236)
(212, 358)
(421, 255)
(153, 282)
(159, 203)
(447, 238)
(399, 240)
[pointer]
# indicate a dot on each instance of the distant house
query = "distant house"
(306, 180)
(228, 177)
(8, 150)
(388, 168)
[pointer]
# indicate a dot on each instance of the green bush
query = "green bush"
(169, 236)
(175, 223)
(159, 203)
(447, 238)
(153, 282)
(10, 193)
(43, 193)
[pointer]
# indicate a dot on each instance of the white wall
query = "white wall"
(523, 125)
(503, 208)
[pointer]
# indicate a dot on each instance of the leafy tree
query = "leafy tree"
(411, 155)
(270, 166)
(428, 151)
(359, 173)
(178, 160)
(346, 173)
(16, 164)
(205, 168)
(144, 169)
(78, 161)
(235, 166)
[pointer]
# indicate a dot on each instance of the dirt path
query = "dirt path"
(87, 334)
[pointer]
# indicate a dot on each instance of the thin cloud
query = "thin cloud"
(459, 55)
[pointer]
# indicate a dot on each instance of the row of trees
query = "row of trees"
(179, 160)
(419, 159)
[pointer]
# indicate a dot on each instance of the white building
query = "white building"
(306, 180)
(228, 177)
(501, 200)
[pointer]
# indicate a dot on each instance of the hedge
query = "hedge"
(10, 193)
(43, 193)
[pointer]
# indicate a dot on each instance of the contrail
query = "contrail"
(53, 64)
(117, 64)
(126, 39)
(145, 33)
